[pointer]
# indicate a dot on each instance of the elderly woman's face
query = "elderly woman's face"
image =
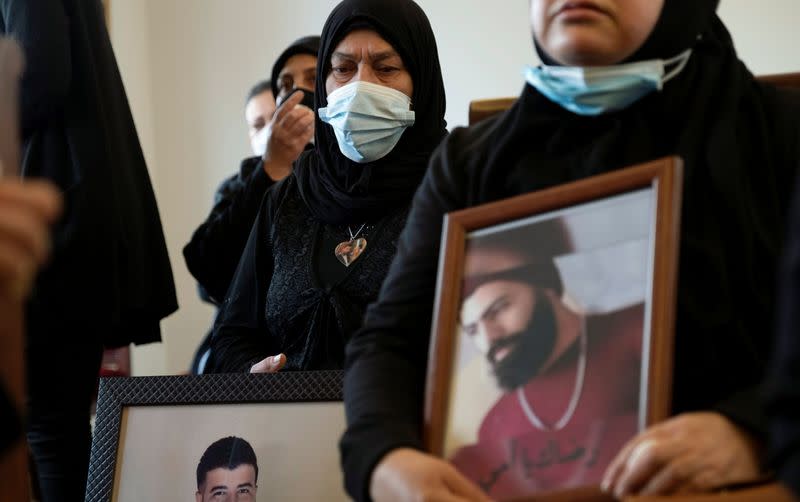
(593, 32)
(363, 56)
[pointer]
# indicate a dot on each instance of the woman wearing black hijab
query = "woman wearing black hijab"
(325, 236)
(739, 141)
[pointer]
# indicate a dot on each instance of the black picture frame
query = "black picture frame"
(116, 394)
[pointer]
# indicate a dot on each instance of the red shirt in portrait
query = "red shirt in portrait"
(513, 457)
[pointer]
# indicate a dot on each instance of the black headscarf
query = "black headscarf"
(338, 190)
(739, 145)
(305, 45)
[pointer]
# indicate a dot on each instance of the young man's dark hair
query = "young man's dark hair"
(229, 453)
(263, 86)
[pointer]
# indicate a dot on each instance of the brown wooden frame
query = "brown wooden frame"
(788, 80)
(663, 175)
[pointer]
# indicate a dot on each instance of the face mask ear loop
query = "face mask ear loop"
(681, 60)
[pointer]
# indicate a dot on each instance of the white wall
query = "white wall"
(130, 32)
(765, 33)
(187, 65)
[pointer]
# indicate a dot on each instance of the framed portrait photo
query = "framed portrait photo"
(553, 329)
(218, 437)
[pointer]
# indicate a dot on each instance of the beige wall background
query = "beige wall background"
(187, 65)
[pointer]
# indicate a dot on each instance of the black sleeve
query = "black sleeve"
(227, 190)
(783, 382)
(745, 408)
(239, 337)
(42, 28)
(12, 429)
(386, 360)
(216, 246)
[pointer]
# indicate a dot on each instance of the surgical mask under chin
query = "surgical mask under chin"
(594, 90)
(259, 142)
(368, 119)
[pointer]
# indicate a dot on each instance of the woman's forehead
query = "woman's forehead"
(361, 40)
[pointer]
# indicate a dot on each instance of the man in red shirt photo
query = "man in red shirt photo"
(569, 379)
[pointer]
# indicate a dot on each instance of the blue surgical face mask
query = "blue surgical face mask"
(368, 119)
(594, 90)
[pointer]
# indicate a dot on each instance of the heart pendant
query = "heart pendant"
(347, 252)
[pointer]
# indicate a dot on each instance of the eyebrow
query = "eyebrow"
(248, 484)
(378, 56)
(498, 300)
(219, 487)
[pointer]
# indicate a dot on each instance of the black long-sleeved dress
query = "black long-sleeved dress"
(783, 384)
(291, 295)
(216, 245)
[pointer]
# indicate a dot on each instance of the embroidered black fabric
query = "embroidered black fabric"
(311, 319)
(279, 302)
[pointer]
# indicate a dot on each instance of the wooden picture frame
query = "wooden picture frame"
(151, 433)
(554, 253)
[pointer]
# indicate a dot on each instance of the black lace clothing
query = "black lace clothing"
(278, 301)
